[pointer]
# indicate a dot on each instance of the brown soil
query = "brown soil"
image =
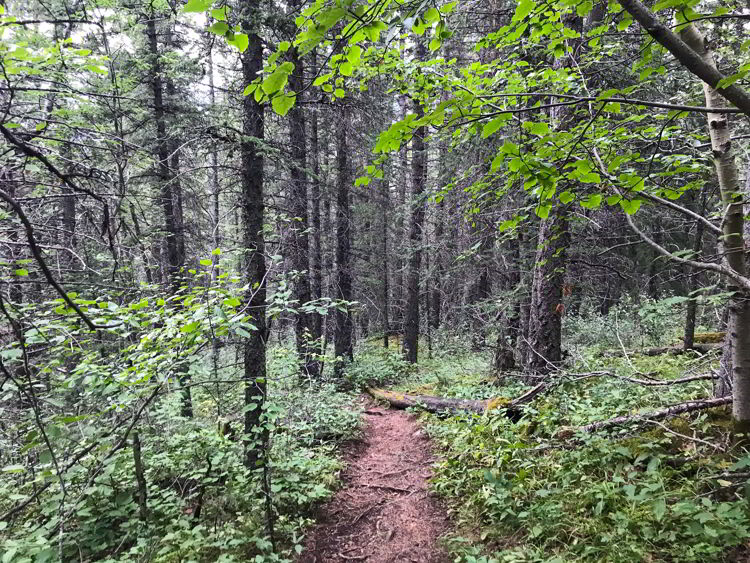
(384, 512)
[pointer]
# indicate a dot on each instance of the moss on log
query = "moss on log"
(443, 405)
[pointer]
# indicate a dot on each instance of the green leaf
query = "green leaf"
(278, 79)
(13, 469)
(250, 88)
(566, 197)
(196, 6)
(219, 28)
(240, 41)
(220, 14)
(540, 129)
(435, 44)
(431, 15)
(22, 272)
(491, 126)
(284, 46)
(216, 251)
(354, 55)
(523, 9)
(659, 507)
(630, 206)
(542, 211)
(190, 327)
(283, 103)
(592, 202)
(242, 332)
(584, 8)
(206, 262)
(346, 69)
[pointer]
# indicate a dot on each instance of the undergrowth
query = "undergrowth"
(521, 492)
(196, 465)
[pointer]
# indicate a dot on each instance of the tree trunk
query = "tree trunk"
(738, 329)
(545, 312)
(544, 346)
(303, 326)
(411, 312)
(168, 162)
(254, 262)
(164, 174)
(688, 339)
(215, 185)
(384, 252)
(316, 263)
(343, 345)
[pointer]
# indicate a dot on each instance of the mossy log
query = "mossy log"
(673, 410)
(442, 405)
(663, 350)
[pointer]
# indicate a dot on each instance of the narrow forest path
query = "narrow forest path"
(384, 511)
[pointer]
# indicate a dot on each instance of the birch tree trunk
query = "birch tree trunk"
(738, 326)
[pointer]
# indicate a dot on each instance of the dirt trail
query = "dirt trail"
(384, 512)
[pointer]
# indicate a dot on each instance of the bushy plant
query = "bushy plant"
(525, 494)
(375, 366)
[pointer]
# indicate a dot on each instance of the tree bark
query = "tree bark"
(544, 346)
(164, 174)
(316, 263)
(385, 214)
(411, 312)
(343, 345)
(738, 329)
(688, 340)
(303, 326)
(253, 262)
(691, 52)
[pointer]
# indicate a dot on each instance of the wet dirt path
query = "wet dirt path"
(384, 512)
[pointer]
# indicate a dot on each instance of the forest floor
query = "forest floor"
(384, 512)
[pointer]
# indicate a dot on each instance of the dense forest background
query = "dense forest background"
(221, 221)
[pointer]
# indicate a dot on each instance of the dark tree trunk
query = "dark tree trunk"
(435, 298)
(316, 263)
(343, 345)
(399, 278)
(253, 263)
(215, 185)
(303, 327)
(544, 346)
(545, 340)
(164, 175)
(692, 305)
(411, 308)
(384, 253)
(168, 162)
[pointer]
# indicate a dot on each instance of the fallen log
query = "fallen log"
(653, 382)
(670, 411)
(427, 402)
(440, 405)
(664, 350)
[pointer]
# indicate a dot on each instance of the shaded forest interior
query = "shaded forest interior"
(222, 222)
